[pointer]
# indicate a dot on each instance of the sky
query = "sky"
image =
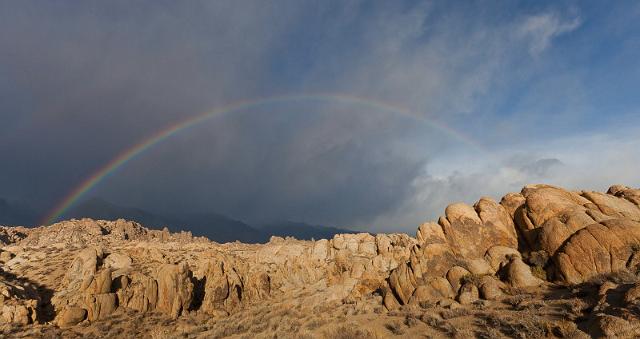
(441, 102)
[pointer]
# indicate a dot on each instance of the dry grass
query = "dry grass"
(618, 277)
(454, 313)
(349, 331)
(474, 279)
(395, 327)
(315, 323)
(410, 320)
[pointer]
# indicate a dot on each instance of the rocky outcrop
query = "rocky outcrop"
(551, 220)
(599, 248)
(18, 302)
(175, 289)
(542, 236)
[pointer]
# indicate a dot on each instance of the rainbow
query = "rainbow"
(124, 157)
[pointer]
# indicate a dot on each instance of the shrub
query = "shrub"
(350, 331)
(395, 327)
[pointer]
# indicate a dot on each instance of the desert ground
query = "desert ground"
(542, 263)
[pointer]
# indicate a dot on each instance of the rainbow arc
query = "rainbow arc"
(123, 158)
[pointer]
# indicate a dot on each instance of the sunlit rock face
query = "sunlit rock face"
(76, 274)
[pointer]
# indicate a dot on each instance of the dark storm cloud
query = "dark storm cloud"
(88, 80)
(81, 82)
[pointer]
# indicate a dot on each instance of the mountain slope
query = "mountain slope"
(216, 227)
(16, 214)
(301, 230)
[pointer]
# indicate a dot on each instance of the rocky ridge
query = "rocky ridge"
(544, 242)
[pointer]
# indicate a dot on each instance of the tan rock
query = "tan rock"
(435, 289)
(461, 212)
(389, 300)
(470, 231)
(99, 306)
(430, 233)
(597, 249)
(610, 326)
(632, 195)
(402, 282)
(118, 261)
(320, 250)
(512, 202)
(455, 277)
(71, 315)
(175, 289)
(83, 266)
(436, 259)
(101, 282)
(614, 206)
(490, 288)
(632, 295)
(479, 267)
(16, 314)
(518, 274)
(223, 288)
(383, 244)
(137, 292)
(6, 256)
(468, 294)
(498, 256)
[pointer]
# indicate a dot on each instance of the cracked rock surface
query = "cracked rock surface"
(544, 262)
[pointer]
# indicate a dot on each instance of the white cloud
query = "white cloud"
(541, 29)
(589, 162)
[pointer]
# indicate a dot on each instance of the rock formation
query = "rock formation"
(544, 238)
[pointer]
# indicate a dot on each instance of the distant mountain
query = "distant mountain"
(216, 227)
(221, 228)
(16, 214)
(213, 226)
(300, 230)
(100, 209)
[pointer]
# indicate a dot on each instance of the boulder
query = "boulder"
(498, 256)
(599, 248)
(632, 296)
(614, 206)
(383, 243)
(610, 326)
(16, 314)
(402, 282)
(455, 276)
(435, 289)
(389, 300)
(490, 288)
(320, 250)
(82, 269)
(430, 233)
(224, 289)
(101, 282)
(70, 316)
(118, 261)
(620, 191)
(468, 294)
(18, 301)
(606, 287)
(479, 267)
(518, 274)
(175, 289)
(471, 231)
(137, 292)
(99, 306)
(257, 286)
